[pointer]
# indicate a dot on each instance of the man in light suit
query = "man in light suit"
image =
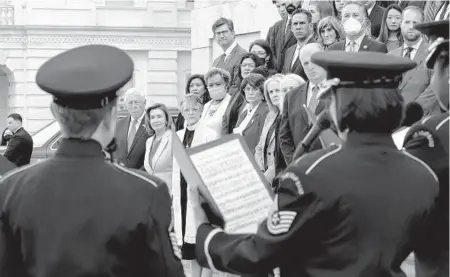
(415, 84)
(295, 123)
(280, 36)
(375, 12)
(224, 35)
(356, 39)
(303, 32)
(130, 132)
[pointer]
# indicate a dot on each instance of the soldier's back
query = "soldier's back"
(374, 199)
(79, 215)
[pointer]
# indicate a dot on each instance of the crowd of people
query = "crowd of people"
(265, 94)
(260, 92)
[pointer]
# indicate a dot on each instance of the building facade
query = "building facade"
(156, 34)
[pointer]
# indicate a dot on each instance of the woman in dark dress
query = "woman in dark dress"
(196, 84)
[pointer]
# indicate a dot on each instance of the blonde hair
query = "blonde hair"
(277, 78)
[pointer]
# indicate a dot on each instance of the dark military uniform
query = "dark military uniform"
(428, 140)
(77, 214)
(351, 210)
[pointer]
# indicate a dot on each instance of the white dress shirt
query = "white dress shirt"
(369, 10)
(357, 45)
(229, 50)
(415, 47)
(139, 120)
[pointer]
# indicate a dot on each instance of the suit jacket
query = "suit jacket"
(161, 164)
(135, 157)
(232, 64)
(297, 68)
(252, 131)
(20, 148)
(415, 84)
(279, 42)
(376, 16)
(232, 111)
(367, 44)
(420, 4)
(201, 135)
(294, 123)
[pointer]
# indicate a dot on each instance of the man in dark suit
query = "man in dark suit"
(428, 141)
(224, 35)
(295, 123)
(20, 145)
(303, 33)
(375, 12)
(355, 21)
(131, 134)
(280, 36)
(415, 85)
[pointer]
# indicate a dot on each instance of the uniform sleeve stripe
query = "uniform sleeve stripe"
(329, 154)
(422, 163)
(442, 123)
(208, 239)
(136, 175)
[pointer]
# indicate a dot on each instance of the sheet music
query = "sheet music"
(399, 137)
(234, 184)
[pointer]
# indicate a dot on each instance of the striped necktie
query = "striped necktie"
(431, 9)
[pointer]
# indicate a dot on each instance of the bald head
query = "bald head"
(315, 73)
(309, 49)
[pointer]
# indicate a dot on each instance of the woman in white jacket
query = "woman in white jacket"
(158, 148)
(193, 135)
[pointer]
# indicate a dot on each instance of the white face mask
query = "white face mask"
(217, 93)
(352, 27)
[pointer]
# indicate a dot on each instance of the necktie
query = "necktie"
(430, 11)
(352, 46)
(313, 99)
(444, 11)
(288, 28)
(295, 58)
(408, 51)
(132, 133)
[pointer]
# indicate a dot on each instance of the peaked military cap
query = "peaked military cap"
(438, 34)
(86, 77)
(362, 69)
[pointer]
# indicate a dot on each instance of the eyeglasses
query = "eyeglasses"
(221, 33)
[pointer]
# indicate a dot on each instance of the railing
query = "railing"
(7, 15)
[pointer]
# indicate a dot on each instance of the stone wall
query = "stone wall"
(156, 34)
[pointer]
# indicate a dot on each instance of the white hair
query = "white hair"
(134, 91)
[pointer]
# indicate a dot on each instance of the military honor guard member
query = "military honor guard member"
(428, 140)
(358, 209)
(77, 214)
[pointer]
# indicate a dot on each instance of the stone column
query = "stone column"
(162, 77)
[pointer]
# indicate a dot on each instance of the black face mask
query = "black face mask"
(291, 8)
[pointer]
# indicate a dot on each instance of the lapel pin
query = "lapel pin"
(365, 46)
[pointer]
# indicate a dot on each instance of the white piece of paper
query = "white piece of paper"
(235, 186)
(399, 137)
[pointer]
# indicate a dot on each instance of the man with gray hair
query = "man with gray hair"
(77, 214)
(130, 133)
